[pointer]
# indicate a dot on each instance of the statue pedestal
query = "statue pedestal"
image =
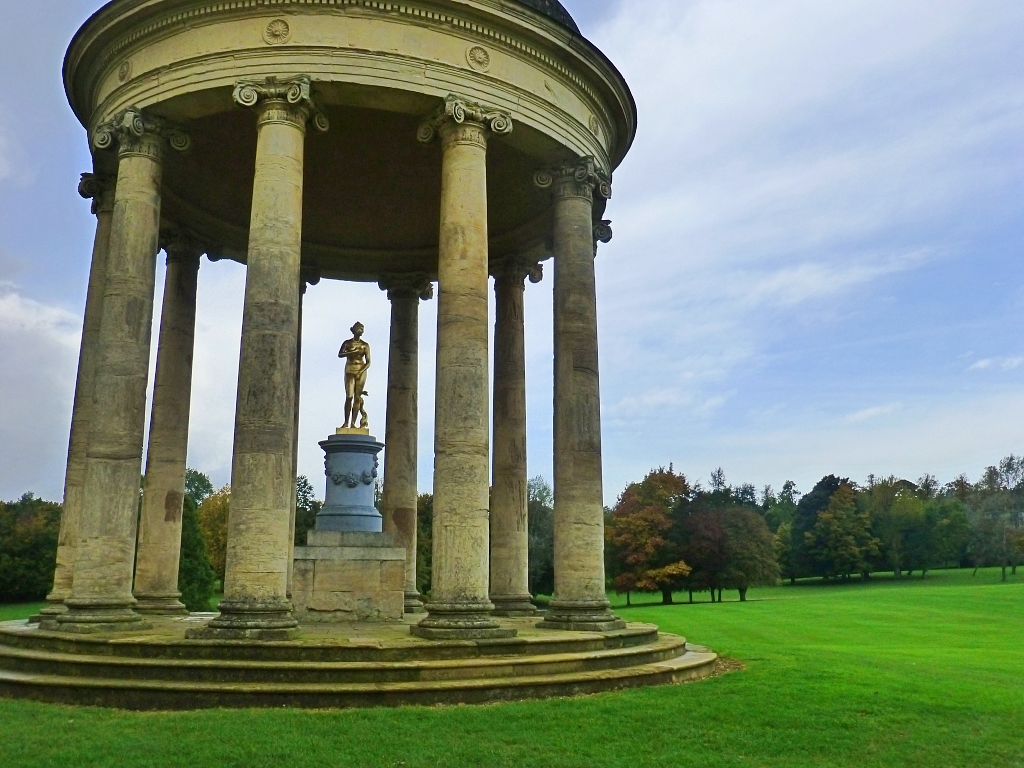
(342, 577)
(352, 470)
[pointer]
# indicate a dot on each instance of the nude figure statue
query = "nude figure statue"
(357, 353)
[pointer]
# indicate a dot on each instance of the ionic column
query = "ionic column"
(256, 604)
(159, 543)
(459, 607)
(398, 499)
(579, 602)
(101, 594)
(101, 190)
(510, 538)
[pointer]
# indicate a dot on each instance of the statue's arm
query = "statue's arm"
(367, 355)
(344, 351)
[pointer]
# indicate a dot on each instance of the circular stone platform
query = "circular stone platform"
(334, 666)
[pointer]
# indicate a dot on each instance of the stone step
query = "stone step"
(143, 646)
(165, 694)
(32, 661)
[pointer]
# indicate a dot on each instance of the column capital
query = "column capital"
(308, 276)
(583, 178)
(473, 119)
(135, 133)
(100, 189)
(602, 233)
(282, 100)
(516, 269)
(407, 286)
(181, 245)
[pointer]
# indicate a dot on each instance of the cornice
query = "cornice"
(121, 24)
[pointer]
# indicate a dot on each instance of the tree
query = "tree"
(781, 509)
(897, 516)
(197, 485)
(840, 542)
(195, 573)
(28, 548)
(541, 514)
(804, 520)
(638, 535)
(306, 508)
(705, 548)
(784, 551)
(424, 542)
(750, 549)
(213, 522)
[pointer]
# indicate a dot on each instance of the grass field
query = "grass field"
(913, 673)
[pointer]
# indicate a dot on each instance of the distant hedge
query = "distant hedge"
(28, 548)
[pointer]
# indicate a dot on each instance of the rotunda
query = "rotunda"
(401, 143)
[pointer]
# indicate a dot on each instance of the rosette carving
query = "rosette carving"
(584, 178)
(407, 285)
(132, 131)
(99, 189)
(462, 111)
(288, 99)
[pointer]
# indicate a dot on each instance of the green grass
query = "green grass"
(888, 674)
(22, 611)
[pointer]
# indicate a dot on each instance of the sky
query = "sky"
(816, 263)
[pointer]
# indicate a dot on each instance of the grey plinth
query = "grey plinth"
(352, 469)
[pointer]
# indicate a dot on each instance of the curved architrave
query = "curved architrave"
(579, 83)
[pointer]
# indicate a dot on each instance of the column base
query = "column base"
(250, 620)
(86, 617)
(48, 614)
(513, 606)
(460, 622)
(581, 616)
(161, 605)
(413, 603)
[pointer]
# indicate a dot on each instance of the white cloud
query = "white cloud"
(1001, 363)
(872, 413)
(39, 350)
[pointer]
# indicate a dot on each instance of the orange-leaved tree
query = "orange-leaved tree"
(213, 522)
(643, 554)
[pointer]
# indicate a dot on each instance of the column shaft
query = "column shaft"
(459, 606)
(159, 544)
(398, 502)
(101, 596)
(256, 604)
(293, 508)
(101, 190)
(510, 539)
(579, 602)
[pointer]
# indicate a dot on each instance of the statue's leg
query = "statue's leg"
(349, 399)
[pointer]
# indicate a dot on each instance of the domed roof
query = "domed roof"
(554, 10)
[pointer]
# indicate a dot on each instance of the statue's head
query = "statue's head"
(357, 329)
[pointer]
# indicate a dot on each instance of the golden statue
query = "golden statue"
(357, 353)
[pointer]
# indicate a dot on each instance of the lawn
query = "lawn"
(888, 674)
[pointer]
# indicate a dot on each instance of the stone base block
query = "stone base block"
(513, 606)
(162, 605)
(442, 633)
(581, 616)
(349, 576)
(581, 626)
(236, 633)
(95, 619)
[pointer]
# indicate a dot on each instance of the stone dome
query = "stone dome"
(554, 10)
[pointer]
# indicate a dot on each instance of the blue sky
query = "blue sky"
(815, 267)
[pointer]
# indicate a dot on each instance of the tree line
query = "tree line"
(665, 534)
